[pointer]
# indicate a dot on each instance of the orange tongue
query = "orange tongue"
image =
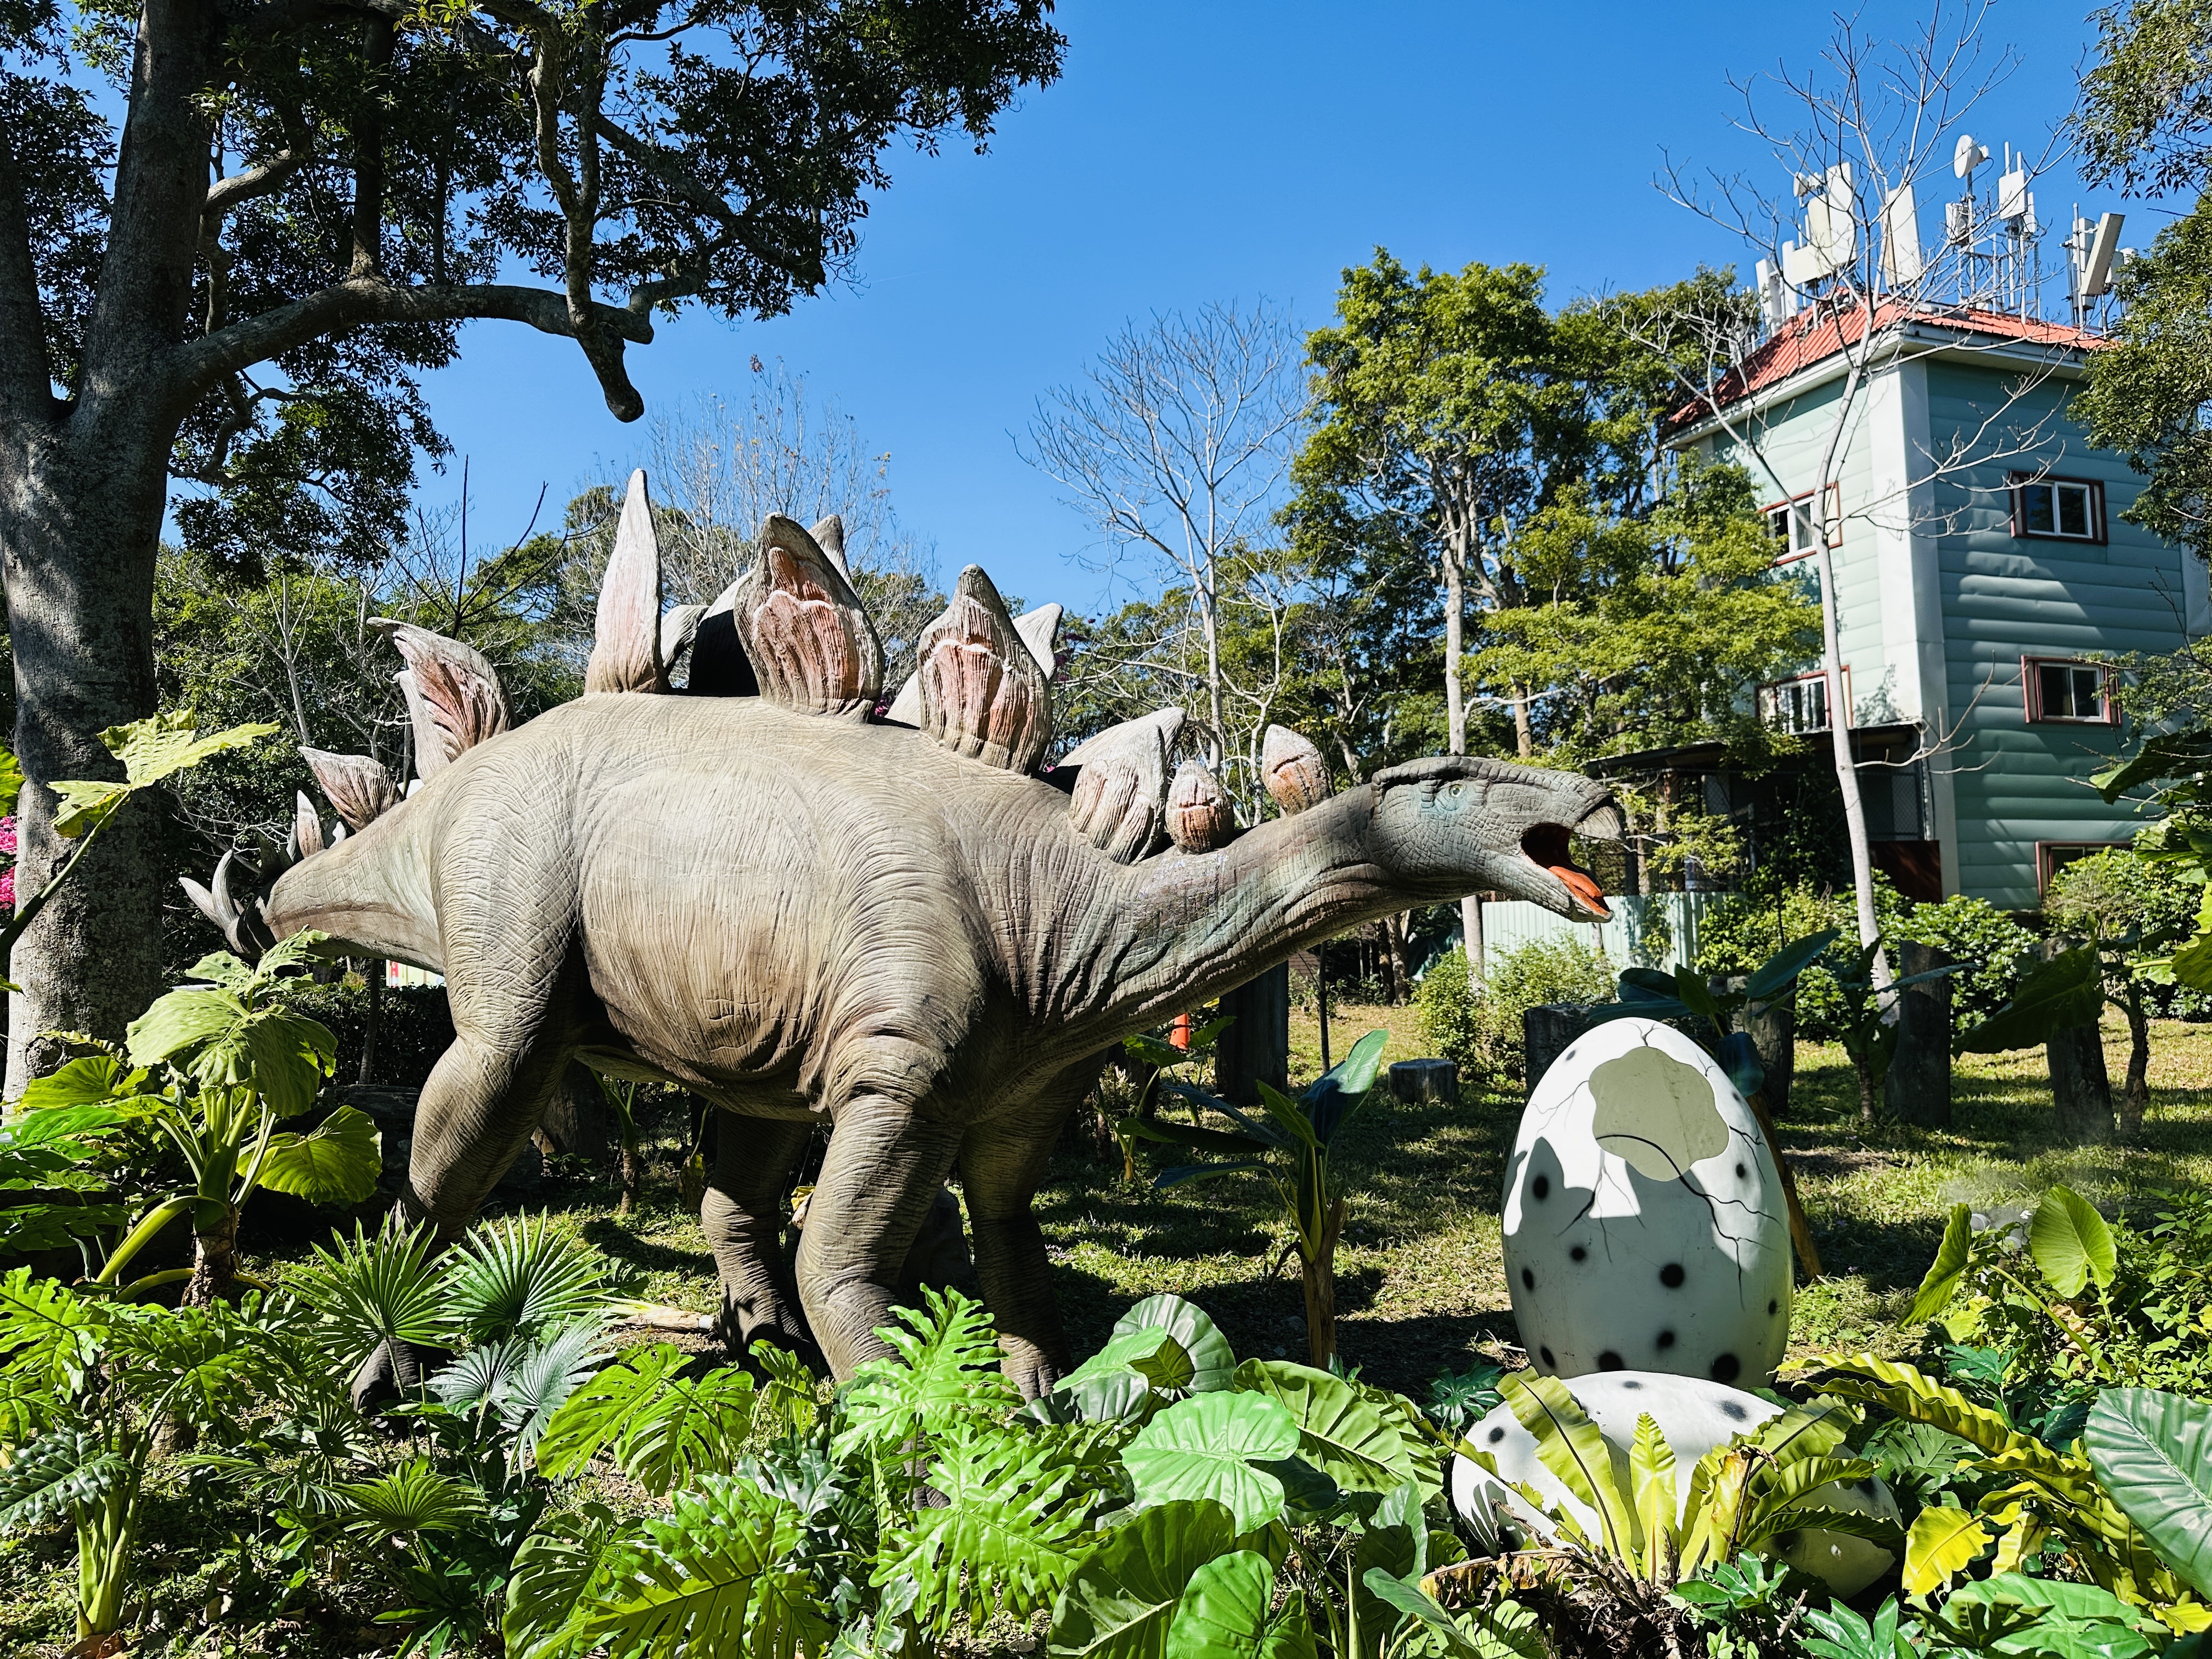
(1583, 887)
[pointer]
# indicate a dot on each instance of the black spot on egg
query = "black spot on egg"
(1497, 1434)
(1771, 1304)
(1725, 1368)
(1528, 1279)
(1672, 1275)
(1733, 1410)
(1665, 1339)
(1578, 1253)
(1631, 1383)
(1540, 1187)
(1741, 1172)
(1546, 1352)
(1610, 1361)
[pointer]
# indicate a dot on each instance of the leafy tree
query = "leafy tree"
(238, 283)
(2145, 123)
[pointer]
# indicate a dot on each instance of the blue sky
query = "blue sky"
(1211, 150)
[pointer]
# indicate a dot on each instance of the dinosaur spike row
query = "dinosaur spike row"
(983, 693)
(358, 787)
(454, 699)
(1199, 817)
(806, 630)
(626, 654)
(1119, 799)
(1296, 775)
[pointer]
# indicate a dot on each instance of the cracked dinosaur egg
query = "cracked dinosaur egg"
(1645, 1225)
(1695, 1416)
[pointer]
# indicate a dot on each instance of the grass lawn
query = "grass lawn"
(1420, 1286)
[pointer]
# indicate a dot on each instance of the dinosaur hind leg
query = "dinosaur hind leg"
(886, 1166)
(754, 1158)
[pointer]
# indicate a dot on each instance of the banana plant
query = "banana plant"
(215, 1067)
(1291, 1144)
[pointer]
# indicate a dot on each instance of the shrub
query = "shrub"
(1744, 929)
(1481, 1032)
(414, 1030)
(2116, 892)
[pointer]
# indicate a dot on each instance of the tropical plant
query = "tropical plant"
(1162, 1060)
(214, 1068)
(1291, 1144)
(91, 1387)
(2036, 1491)
(622, 1101)
(1866, 1021)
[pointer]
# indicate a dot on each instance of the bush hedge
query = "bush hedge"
(414, 1030)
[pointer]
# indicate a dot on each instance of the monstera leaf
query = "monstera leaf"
(1123, 1595)
(2153, 1453)
(337, 1162)
(1204, 1447)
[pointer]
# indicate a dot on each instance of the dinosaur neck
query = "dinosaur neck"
(1176, 930)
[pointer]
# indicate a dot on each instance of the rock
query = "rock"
(1695, 1416)
(1645, 1227)
(392, 1110)
(1415, 1081)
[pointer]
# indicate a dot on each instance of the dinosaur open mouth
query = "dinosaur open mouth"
(1545, 847)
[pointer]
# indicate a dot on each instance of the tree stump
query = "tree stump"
(1546, 1031)
(2081, 1090)
(1919, 1083)
(1416, 1082)
(1773, 1033)
(1256, 1048)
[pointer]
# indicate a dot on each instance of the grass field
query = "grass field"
(1420, 1286)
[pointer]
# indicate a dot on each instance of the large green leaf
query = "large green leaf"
(1152, 1353)
(1574, 1448)
(2054, 996)
(1204, 1447)
(1119, 1600)
(372, 1291)
(337, 1162)
(1338, 1433)
(150, 750)
(66, 1474)
(1781, 970)
(1213, 1361)
(522, 1274)
(84, 1081)
(216, 1040)
(1503, 1630)
(11, 783)
(2070, 1242)
(1226, 1613)
(1331, 1102)
(2153, 1454)
(1941, 1281)
(552, 1573)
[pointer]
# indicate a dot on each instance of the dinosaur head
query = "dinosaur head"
(1474, 825)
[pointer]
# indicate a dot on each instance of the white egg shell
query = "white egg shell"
(1695, 1416)
(1645, 1225)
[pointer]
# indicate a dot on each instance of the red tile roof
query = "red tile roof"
(1811, 336)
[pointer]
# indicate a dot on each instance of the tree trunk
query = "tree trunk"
(80, 505)
(372, 1023)
(1257, 1047)
(2135, 1101)
(1470, 928)
(215, 1263)
(1402, 961)
(77, 540)
(633, 1174)
(1919, 1083)
(1524, 733)
(1319, 1274)
(1454, 644)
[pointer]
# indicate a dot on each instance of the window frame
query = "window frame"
(1765, 700)
(1789, 556)
(2046, 873)
(2019, 483)
(2031, 693)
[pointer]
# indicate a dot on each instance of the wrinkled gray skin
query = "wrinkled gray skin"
(792, 915)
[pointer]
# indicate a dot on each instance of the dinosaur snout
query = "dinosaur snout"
(1547, 845)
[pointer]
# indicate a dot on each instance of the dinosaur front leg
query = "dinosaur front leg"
(1003, 1162)
(883, 1170)
(753, 1160)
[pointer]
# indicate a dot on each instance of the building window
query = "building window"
(2052, 856)
(1799, 705)
(2057, 509)
(1790, 524)
(2077, 693)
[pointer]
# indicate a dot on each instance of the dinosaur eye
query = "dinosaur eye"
(1455, 790)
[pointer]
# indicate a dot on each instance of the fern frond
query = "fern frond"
(945, 1373)
(522, 1277)
(1005, 1540)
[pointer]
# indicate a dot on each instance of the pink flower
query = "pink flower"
(7, 835)
(8, 889)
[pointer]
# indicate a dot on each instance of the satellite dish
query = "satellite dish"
(1968, 155)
